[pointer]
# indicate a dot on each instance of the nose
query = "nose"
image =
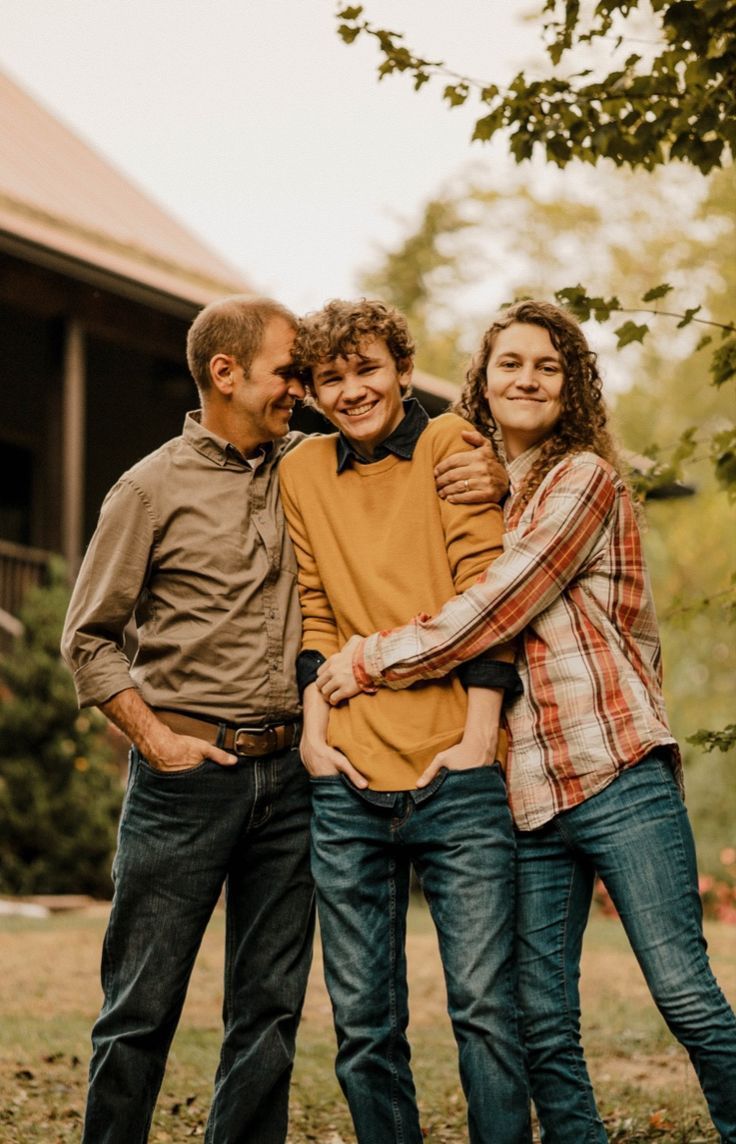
(353, 387)
(295, 388)
(526, 377)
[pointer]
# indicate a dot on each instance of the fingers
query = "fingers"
(356, 778)
(329, 761)
(196, 750)
(222, 757)
(457, 482)
(469, 490)
(459, 477)
(336, 681)
(431, 772)
(335, 692)
(474, 438)
(460, 465)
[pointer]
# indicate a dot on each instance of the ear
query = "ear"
(221, 372)
(405, 378)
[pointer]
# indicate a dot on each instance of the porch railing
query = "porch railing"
(20, 569)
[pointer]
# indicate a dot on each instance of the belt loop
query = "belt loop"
(221, 732)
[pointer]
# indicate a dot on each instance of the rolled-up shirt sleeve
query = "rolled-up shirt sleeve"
(110, 582)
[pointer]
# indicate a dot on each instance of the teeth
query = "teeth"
(358, 411)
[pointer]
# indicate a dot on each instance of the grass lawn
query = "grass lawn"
(49, 996)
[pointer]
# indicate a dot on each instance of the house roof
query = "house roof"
(57, 194)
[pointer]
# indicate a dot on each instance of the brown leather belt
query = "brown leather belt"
(252, 742)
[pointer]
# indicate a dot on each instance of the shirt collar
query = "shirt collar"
(402, 442)
(216, 448)
(520, 466)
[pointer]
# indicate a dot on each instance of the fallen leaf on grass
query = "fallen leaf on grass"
(659, 1120)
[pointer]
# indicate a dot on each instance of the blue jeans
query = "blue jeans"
(182, 836)
(636, 835)
(461, 844)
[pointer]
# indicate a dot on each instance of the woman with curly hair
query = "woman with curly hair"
(594, 775)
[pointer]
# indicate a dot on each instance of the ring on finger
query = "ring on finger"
(467, 485)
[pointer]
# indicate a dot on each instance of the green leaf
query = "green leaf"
(487, 127)
(723, 362)
(704, 341)
(455, 94)
(723, 455)
(347, 33)
(688, 317)
(715, 740)
(350, 13)
(657, 292)
(630, 332)
(686, 446)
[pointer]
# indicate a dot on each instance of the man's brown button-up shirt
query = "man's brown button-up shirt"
(191, 541)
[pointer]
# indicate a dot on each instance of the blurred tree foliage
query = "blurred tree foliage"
(60, 790)
(491, 245)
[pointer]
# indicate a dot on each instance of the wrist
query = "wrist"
(481, 744)
(155, 742)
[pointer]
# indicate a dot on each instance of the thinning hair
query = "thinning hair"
(583, 421)
(234, 326)
(340, 328)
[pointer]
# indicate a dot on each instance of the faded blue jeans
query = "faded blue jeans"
(460, 841)
(636, 835)
(182, 836)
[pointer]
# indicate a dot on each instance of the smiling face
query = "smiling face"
(263, 399)
(524, 385)
(361, 394)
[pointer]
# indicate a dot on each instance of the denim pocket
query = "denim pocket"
(169, 776)
(492, 768)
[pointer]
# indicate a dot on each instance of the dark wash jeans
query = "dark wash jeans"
(636, 835)
(461, 843)
(182, 836)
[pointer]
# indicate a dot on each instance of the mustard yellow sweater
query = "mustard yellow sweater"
(375, 545)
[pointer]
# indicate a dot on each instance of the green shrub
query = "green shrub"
(60, 789)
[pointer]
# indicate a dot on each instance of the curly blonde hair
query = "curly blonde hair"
(582, 424)
(340, 328)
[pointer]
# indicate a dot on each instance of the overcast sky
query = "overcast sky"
(256, 126)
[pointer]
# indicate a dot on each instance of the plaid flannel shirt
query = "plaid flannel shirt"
(573, 583)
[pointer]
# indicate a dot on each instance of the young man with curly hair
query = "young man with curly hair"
(371, 542)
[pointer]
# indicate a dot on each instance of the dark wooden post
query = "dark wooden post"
(73, 444)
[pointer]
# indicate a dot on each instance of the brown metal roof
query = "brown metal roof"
(57, 194)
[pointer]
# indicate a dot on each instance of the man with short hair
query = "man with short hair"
(191, 542)
(373, 542)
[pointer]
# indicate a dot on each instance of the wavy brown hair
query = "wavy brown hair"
(582, 424)
(340, 328)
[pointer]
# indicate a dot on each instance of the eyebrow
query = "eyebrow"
(555, 358)
(320, 371)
